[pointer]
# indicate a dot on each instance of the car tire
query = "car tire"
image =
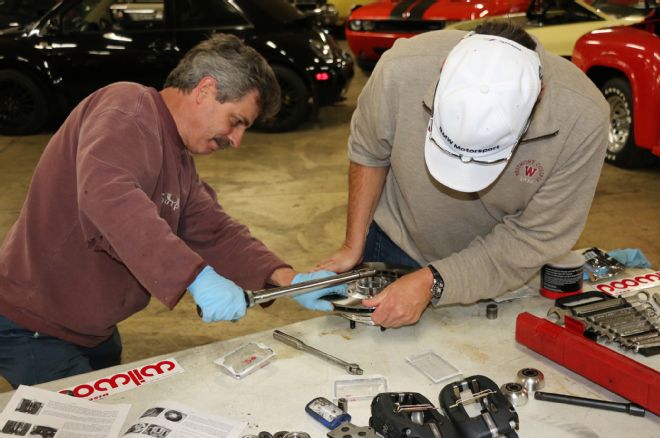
(621, 148)
(295, 102)
(23, 104)
(365, 65)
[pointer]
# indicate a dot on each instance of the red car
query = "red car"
(372, 29)
(624, 62)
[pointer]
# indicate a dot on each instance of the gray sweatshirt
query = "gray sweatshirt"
(489, 242)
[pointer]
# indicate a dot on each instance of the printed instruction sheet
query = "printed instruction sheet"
(174, 420)
(35, 412)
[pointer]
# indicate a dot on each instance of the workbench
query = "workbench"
(273, 398)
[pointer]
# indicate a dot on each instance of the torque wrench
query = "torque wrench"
(253, 297)
(351, 368)
(629, 408)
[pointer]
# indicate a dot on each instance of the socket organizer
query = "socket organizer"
(568, 347)
(631, 322)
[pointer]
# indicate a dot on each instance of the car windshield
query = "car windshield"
(619, 8)
(280, 10)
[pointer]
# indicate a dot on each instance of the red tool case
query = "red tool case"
(568, 347)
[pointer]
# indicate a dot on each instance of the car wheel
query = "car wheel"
(621, 148)
(295, 102)
(366, 65)
(23, 104)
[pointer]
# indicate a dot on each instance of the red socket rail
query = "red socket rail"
(568, 347)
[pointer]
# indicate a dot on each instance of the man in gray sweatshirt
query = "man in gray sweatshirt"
(474, 157)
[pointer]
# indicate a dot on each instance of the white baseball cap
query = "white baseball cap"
(482, 106)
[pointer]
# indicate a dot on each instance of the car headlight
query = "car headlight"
(361, 25)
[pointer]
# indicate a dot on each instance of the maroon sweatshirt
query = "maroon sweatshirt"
(116, 213)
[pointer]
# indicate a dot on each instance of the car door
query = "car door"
(92, 43)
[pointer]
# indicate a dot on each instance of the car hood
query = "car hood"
(438, 10)
(520, 19)
(12, 32)
(299, 40)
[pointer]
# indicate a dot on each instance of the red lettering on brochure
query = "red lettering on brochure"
(136, 377)
(112, 381)
(78, 390)
(157, 367)
(123, 381)
(628, 283)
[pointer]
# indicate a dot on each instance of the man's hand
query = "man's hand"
(311, 300)
(342, 260)
(219, 298)
(402, 302)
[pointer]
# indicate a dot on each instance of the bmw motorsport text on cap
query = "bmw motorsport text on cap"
(483, 101)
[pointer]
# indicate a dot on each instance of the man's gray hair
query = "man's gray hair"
(237, 69)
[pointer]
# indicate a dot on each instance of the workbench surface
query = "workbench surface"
(273, 398)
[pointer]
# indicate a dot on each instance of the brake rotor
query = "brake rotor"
(350, 307)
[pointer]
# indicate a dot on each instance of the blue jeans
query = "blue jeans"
(29, 358)
(380, 248)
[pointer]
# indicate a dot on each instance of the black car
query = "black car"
(82, 45)
(323, 13)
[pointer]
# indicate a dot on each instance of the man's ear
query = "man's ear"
(205, 87)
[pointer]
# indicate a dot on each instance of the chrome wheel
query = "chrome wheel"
(620, 121)
(622, 149)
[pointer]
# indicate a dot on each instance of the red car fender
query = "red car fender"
(635, 53)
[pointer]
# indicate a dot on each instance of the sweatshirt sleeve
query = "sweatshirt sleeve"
(224, 243)
(548, 227)
(118, 163)
(372, 123)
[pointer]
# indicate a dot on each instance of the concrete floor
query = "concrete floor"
(290, 189)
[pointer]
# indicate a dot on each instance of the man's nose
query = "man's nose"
(236, 137)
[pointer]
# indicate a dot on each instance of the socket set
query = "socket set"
(631, 322)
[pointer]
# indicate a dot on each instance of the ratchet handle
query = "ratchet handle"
(253, 297)
(289, 340)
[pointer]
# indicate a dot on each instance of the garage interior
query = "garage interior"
(291, 190)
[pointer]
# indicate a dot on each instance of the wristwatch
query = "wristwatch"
(438, 285)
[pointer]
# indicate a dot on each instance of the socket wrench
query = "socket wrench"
(351, 368)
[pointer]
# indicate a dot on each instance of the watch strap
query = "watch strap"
(438, 286)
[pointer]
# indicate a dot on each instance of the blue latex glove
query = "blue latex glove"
(311, 300)
(219, 298)
(630, 258)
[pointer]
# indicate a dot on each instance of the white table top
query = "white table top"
(273, 397)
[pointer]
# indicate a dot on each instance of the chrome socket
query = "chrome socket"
(531, 379)
(515, 393)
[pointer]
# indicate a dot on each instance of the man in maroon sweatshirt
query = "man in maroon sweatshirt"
(116, 213)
